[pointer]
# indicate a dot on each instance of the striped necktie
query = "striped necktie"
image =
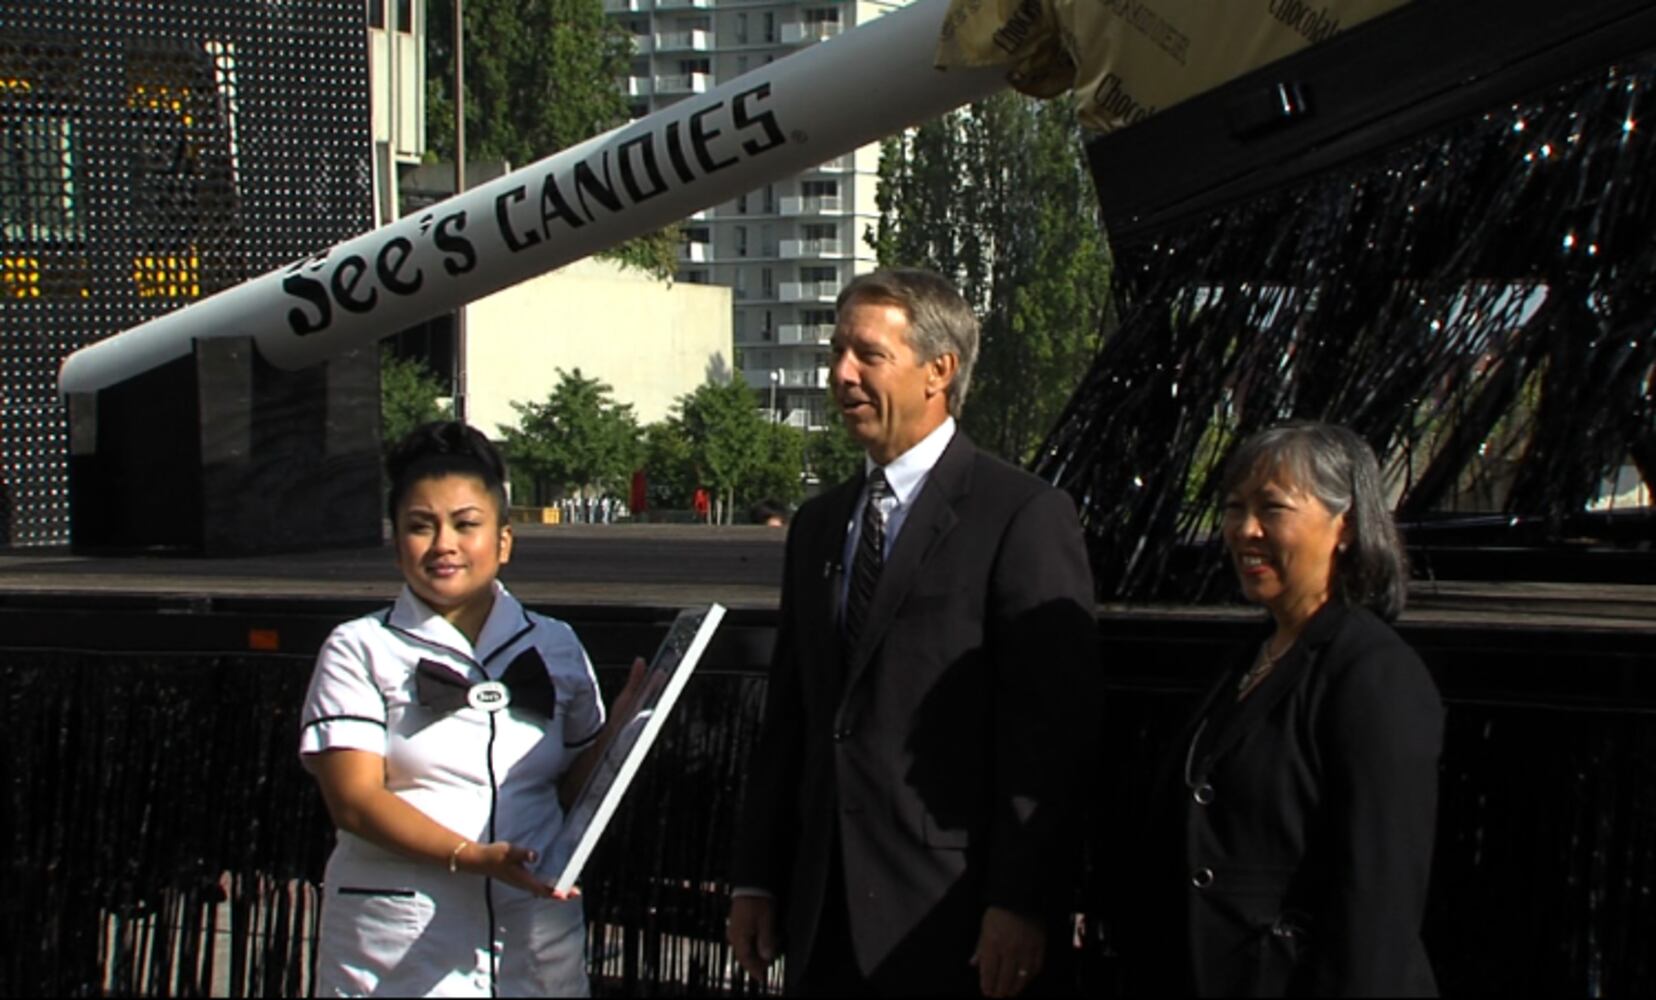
(870, 557)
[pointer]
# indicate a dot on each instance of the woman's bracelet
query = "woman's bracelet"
(454, 855)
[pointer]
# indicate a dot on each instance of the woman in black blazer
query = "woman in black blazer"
(1294, 825)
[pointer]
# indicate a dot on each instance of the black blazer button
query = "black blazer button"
(1203, 794)
(1201, 878)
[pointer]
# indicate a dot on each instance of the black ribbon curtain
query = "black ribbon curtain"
(1478, 303)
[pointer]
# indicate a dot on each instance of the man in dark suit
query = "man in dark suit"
(907, 823)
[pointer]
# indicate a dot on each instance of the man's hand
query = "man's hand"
(751, 931)
(1009, 954)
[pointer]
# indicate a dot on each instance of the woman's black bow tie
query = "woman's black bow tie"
(440, 688)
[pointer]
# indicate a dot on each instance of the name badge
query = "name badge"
(489, 696)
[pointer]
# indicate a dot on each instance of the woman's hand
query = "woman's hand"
(507, 863)
(620, 713)
(626, 703)
(353, 785)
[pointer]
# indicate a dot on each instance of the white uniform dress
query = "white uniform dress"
(395, 683)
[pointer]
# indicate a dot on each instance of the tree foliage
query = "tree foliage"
(409, 396)
(578, 442)
(717, 438)
(669, 465)
(779, 474)
(540, 76)
(996, 196)
(725, 432)
(831, 455)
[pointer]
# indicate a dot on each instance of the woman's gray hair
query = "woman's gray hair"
(1337, 467)
(940, 321)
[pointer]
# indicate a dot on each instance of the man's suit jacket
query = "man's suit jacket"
(945, 747)
(1304, 872)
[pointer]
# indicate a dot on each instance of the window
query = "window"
(741, 241)
(827, 275)
(817, 317)
(819, 189)
(767, 287)
(816, 409)
(741, 65)
(39, 154)
(820, 232)
(822, 15)
(741, 29)
(770, 199)
(404, 12)
(767, 240)
(770, 27)
(741, 203)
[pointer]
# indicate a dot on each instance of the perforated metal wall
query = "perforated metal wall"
(153, 152)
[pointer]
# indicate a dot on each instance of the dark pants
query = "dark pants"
(832, 970)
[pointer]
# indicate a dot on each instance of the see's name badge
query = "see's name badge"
(489, 696)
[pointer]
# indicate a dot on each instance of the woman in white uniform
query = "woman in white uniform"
(440, 731)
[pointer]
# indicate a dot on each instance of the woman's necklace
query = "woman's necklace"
(1262, 665)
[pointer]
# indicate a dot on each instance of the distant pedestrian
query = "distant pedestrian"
(771, 513)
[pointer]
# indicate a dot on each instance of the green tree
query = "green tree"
(779, 472)
(831, 455)
(996, 196)
(579, 441)
(725, 432)
(540, 77)
(409, 396)
(669, 465)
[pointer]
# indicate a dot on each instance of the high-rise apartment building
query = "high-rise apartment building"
(787, 248)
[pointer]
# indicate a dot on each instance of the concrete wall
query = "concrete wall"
(651, 341)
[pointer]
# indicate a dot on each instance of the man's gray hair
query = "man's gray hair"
(1337, 467)
(940, 321)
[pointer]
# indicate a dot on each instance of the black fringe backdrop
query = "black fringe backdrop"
(158, 836)
(1479, 304)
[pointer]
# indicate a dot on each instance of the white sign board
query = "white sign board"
(675, 660)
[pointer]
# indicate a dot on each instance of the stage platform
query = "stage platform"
(674, 565)
(1498, 636)
(578, 564)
